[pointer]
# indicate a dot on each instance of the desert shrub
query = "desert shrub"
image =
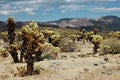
(4, 36)
(67, 45)
(49, 51)
(111, 45)
(3, 52)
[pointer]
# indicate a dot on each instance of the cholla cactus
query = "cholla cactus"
(48, 32)
(21, 71)
(13, 51)
(73, 37)
(34, 47)
(96, 40)
(117, 34)
(52, 36)
(55, 39)
(32, 39)
(114, 34)
(3, 52)
(95, 31)
(11, 28)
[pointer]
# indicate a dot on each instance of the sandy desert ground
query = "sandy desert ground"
(79, 65)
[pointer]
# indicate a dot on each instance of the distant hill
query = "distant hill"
(106, 23)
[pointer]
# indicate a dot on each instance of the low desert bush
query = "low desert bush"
(110, 46)
(49, 51)
(67, 45)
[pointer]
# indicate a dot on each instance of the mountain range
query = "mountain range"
(105, 23)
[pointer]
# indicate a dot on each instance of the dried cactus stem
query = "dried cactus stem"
(14, 54)
(30, 64)
(30, 59)
(21, 57)
(23, 48)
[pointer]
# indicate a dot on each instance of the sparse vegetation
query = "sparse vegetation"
(67, 45)
(34, 44)
(110, 46)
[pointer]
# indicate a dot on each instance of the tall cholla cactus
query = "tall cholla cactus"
(32, 41)
(11, 28)
(96, 40)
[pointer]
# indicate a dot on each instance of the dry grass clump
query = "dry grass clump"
(110, 46)
(67, 45)
(49, 51)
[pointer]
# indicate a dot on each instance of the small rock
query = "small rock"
(95, 64)
(104, 67)
(106, 59)
(86, 69)
(96, 55)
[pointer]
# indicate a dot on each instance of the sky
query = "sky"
(50, 10)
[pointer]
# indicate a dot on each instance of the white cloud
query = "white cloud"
(72, 7)
(20, 6)
(63, 11)
(103, 9)
(31, 6)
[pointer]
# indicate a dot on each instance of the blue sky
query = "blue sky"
(50, 10)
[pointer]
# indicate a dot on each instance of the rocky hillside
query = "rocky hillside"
(106, 23)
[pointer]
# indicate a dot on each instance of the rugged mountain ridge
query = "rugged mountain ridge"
(106, 23)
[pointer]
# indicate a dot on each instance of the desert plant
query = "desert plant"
(3, 52)
(4, 36)
(49, 51)
(73, 37)
(96, 40)
(67, 45)
(13, 51)
(32, 41)
(55, 39)
(11, 28)
(114, 34)
(110, 46)
(95, 31)
(21, 71)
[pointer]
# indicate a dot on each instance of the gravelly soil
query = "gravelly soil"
(80, 65)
